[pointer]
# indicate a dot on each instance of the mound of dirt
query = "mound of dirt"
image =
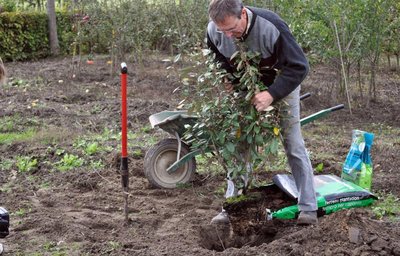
(351, 232)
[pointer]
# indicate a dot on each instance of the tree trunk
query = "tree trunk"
(371, 83)
(359, 79)
(38, 5)
(348, 67)
(376, 61)
(374, 85)
(53, 38)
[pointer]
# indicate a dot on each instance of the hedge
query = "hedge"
(24, 35)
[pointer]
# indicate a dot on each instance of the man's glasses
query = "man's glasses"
(229, 30)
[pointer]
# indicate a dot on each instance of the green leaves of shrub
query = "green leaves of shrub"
(24, 35)
(228, 124)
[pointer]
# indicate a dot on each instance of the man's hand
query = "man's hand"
(262, 100)
(228, 85)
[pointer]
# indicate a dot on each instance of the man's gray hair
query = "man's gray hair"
(220, 9)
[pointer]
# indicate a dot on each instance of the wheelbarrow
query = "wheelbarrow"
(171, 161)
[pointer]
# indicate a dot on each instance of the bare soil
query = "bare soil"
(80, 211)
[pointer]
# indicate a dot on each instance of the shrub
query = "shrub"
(7, 6)
(24, 35)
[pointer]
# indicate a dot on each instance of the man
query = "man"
(283, 66)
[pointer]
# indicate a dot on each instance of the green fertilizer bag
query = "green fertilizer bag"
(333, 194)
(358, 165)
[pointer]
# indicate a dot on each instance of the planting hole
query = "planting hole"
(248, 221)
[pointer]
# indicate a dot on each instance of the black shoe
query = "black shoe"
(307, 218)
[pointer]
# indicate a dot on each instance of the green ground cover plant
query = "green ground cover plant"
(387, 206)
(26, 163)
(69, 162)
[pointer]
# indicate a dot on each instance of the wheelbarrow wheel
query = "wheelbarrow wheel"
(162, 155)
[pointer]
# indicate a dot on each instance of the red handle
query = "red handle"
(124, 111)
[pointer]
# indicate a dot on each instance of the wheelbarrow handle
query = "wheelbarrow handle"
(305, 96)
(319, 114)
(338, 107)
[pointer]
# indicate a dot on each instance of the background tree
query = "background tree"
(131, 29)
(53, 37)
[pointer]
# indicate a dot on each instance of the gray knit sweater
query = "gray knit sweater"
(269, 35)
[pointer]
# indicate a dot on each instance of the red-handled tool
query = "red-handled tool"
(124, 138)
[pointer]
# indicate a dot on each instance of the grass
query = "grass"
(137, 153)
(54, 249)
(183, 185)
(387, 206)
(21, 212)
(277, 162)
(54, 135)
(6, 164)
(12, 137)
(45, 136)
(45, 185)
(23, 83)
(8, 123)
(114, 246)
(220, 190)
(16, 82)
(96, 164)
(207, 164)
(6, 188)
(16, 123)
(385, 136)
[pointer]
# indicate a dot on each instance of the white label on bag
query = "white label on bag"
(361, 146)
